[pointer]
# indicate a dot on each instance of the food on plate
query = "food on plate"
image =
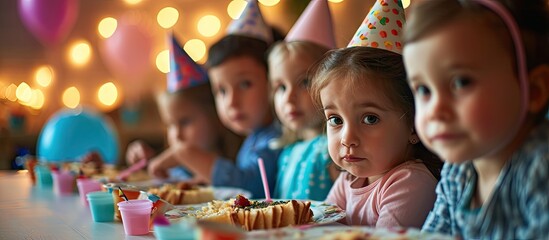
(183, 193)
(253, 215)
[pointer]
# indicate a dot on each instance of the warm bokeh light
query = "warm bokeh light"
(43, 75)
(196, 48)
(269, 3)
(405, 3)
(71, 97)
(209, 25)
(167, 17)
(337, 1)
(107, 94)
(37, 99)
(10, 92)
(80, 53)
(235, 8)
(23, 92)
(107, 27)
(163, 61)
(132, 2)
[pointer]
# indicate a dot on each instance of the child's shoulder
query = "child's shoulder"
(413, 170)
(532, 159)
(539, 138)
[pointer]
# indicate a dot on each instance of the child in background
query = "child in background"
(390, 177)
(305, 170)
(480, 102)
(238, 74)
(187, 108)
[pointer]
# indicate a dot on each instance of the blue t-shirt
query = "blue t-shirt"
(518, 207)
(244, 173)
(303, 170)
(179, 173)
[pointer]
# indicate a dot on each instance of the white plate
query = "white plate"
(322, 212)
(320, 232)
(226, 193)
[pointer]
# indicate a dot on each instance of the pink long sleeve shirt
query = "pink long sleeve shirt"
(402, 197)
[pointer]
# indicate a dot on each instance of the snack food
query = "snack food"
(253, 215)
(183, 193)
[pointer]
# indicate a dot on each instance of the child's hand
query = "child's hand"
(158, 166)
(138, 150)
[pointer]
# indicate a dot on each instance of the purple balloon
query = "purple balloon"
(49, 20)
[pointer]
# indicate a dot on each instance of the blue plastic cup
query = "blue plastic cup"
(101, 206)
(43, 176)
(183, 229)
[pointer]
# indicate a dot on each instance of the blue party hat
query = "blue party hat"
(184, 72)
(251, 23)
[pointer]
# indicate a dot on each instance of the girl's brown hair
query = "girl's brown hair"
(351, 66)
(532, 17)
(280, 51)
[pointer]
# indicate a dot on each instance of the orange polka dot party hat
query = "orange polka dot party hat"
(382, 27)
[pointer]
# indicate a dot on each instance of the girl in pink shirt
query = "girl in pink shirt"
(390, 176)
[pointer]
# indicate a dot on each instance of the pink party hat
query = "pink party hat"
(184, 72)
(314, 25)
(251, 23)
(382, 27)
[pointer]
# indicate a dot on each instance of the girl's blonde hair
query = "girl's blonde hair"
(385, 70)
(281, 51)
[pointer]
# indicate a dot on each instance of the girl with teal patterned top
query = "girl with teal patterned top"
(305, 169)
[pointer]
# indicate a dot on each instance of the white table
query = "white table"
(29, 212)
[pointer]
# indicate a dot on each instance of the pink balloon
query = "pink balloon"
(127, 53)
(49, 20)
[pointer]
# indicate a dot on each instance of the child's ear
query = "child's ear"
(539, 88)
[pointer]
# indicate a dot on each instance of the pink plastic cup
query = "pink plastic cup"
(63, 182)
(136, 215)
(86, 185)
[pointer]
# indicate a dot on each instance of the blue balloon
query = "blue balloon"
(72, 133)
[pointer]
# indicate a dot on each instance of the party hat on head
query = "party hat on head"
(314, 25)
(382, 27)
(184, 72)
(251, 24)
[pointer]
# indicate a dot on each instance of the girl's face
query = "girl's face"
(292, 101)
(366, 135)
(466, 93)
(241, 91)
(188, 122)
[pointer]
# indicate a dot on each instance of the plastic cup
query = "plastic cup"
(213, 230)
(131, 192)
(63, 182)
(43, 176)
(86, 185)
(136, 215)
(184, 229)
(101, 206)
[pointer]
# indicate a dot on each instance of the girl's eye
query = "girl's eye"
(245, 84)
(221, 91)
(422, 91)
(334, 121)
(460, 82)
(184, 122)
(370, 119)
(305, 83)
(280, 88)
